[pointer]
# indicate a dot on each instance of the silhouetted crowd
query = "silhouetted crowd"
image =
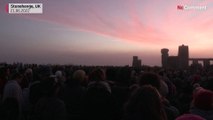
(67, 92)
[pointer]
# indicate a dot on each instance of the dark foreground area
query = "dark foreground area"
(67, 92)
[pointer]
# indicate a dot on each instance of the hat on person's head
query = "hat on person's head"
(202, 99)
(189, 117)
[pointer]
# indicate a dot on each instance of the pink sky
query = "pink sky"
(119, 27)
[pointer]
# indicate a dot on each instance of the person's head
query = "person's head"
(146, 103)
(99, 86)
(4, 72)
(149, 78)
(79, 76)
(16, 75)
(203, 99)
(98, 101)
(28, 71)
(50, 87)
(60, 76)
(97, 75)
(44, 72)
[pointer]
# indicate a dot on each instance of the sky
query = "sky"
(105, 32)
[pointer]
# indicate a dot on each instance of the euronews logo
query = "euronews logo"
(191, 7)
